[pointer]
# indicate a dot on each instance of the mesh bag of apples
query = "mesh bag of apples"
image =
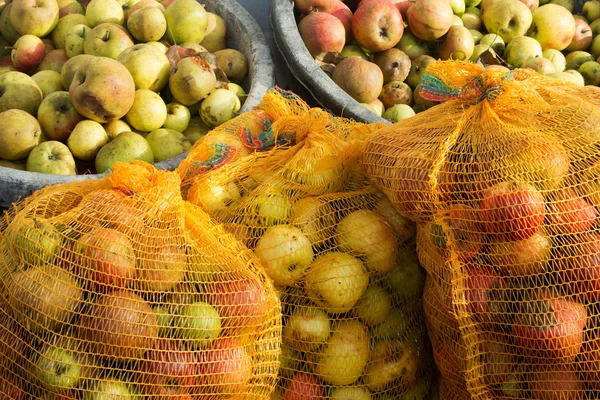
(342, 259)
(119, 289)
(502, 181)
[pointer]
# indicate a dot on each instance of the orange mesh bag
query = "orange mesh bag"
(118, 288)
(342, 259)
(502, 180)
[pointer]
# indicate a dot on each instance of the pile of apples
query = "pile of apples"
(376, 50)
(129, 308)
(86, 84)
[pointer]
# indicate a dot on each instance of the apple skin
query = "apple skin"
(552, 26)
(186, 20)
(28, 51)
(521, 258)
(35, 17)
(57, 368)
(54, 60)
(556, 382)
(107, 40)
(361, 79)
(307, 6)
(303, 386)
(508, 18)
(577, 265)
(512, 210)
(341, 11)
(377, 25)
(568, 213)
(51, 157)
(322, 32)
(59, 34)
(57, 116)
(19, 91)
(582, 39)
(429, 19)
(100, 11)
(66, 7)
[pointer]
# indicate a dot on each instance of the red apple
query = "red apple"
(28, 51)
(11, 387)
(115, 209)
(556, 382)
(225, 368)
(344, 14)
(512, 210)
(13, 346)
(106, 258)
(568, 213)
(451, 360)
(377, 25)
(483, 289)
(577, 265)
(527, 257)
(549, 328)
(583, 37)
(430, 19)
(53, 60)
(402, 6)
(307, 6)
(303, 386)
(242, 302)
(168, 371)
(322, 32)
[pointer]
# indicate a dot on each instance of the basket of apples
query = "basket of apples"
(363, 59)
(87, 84)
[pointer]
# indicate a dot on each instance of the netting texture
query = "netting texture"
(342, 259)
(117, 288)
(502, 179)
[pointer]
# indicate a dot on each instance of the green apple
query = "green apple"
(471, 21)
(412, 46)
(557, 58)
(552, 26)
(272, 207)
(215, 37)
(75, 40)
(20, 134)
(219, 107)
(86, 139)
(306, 328)
(595, 46)
(51, 157)
(107, 40)
(350, 392)
(66, 7)
(238, 91)
(178, 117)
(417, 67)
(57, 116)
(34, 17)
(127, 146)
(36, 242)
(57, 368)
(71, 67)
(473, 10)
(575, 59)
(147, 24)
(164, 320)
(101, 11)
(196, 129)
(167, 143)
(457, 21)
(148, 112)
(48, 81)
(494, 41)
(520, 49)
(595, 25)
(351, 50)
(472, 3)
(569, 5)
(192, 80)
(399, 112)
(19, 91)
(6, 28)
(148, 66)
(198, 324)
(476, 36)
(187, 21)
(591, 10)
(374, 306)
(116, 126)
(508, 18)
(458, 7)
(53, 60)
(590, 71)
(64, 26)
(160, 46)
(109, 389)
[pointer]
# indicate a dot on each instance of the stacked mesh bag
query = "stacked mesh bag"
(502, 179)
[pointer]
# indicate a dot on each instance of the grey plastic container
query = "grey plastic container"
(307, 72)
(244, 34)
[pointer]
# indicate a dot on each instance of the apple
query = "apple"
(412, 46)
(391, 362)
(306, 328)
(148, 111)
(527, 257)
(576, 264)
(377, 25)
(19, 91)
(572, 77)
(218, 199)
(108, 389)
(12, 387)
(192, 80)
(556, 382)
(344, 356)
(168, 370)
(57, 116)
(6, 28)
(225, 368)
(75, 39)
(576, 58)
(218, 107)
(512, 210)
(303, 386)
(233, 63)
(35, 17)
(51, 157)
(71, 66)
(57, 368)
(350, 392)
(96, 100)
(494, 41)
(147, 65)
(102, 11)
(54, 60)
(590, 71)
(583, 36)
(127, 323)
(429, 19)
(567, 4)
(568, 213)
(374, 306)
(285, 253)
(29, 134)
(458, 45)
(49, 82)
(86, 139)
(557, 58)
(417, 67)
(14, 346)
(178, 117)
(322, 32)
(43, 298)
(377, 106)
(27, 52)
(315, 218)
(549, 19)
(107, 40)
(520, 49)
(64, 26)
(394, 64)
(361, 79)
(35, 242)
(540, 65)
(143, 4)
(365, 233)
(215, 34)
(406, 280)
(472, 22)
(106, 258)
(66, 7)
(115, 127)
(147, 24)
(595, 46)
(198, 324)
(507, 18)
(591, 10)
(271, 207)
(187, 21)
(167, 143)
(336, 281)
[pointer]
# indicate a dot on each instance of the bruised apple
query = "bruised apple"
(361, 79)
(525, 257)
(322, 33)
(377, 25)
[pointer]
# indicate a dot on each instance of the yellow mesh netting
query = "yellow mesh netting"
(118, 288)
(502, 180)
(342, 259)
